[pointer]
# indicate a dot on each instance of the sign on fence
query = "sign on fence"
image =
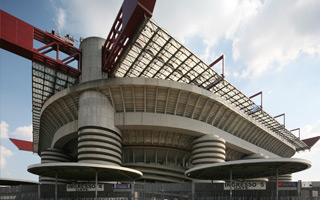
(85, 187)
(122, 186)
(245, 186)
(287, 184)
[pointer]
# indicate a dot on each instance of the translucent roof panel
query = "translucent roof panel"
(45, 82)
(153, 53)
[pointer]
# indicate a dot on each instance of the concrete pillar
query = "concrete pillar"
(257, 156)
(282, 178)
(53, 155)
(99, 141)
(193, 188)
(299, 186)
(92, 59)
(208, 149)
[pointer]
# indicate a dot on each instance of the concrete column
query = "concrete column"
(277, 181)
(193, 190)
(257, 156)
(92, 59)
(56, 186)
(282, 178)
(299, 188)
(132, 191)
(53, 155)
(208, 149)
(99, 141)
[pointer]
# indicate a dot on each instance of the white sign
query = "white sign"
(79, 187)
(306, 184)
(245, 186)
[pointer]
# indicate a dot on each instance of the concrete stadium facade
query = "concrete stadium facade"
(159, 127)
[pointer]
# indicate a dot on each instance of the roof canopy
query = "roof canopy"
(10, 181)
(85, 171)
(246, 169)
(154, 53)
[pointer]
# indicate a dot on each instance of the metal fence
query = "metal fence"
(186, 191)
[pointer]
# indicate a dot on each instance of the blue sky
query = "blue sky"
(270, 46)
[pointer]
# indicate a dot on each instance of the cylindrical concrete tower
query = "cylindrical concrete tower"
(281, 178)
(53, 155)
(257, 156)
(92, 59)
(99, 141)
(208, 149)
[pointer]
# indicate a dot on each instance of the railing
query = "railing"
(172, 191)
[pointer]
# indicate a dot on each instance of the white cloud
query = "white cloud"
(312, 173)
(280, 33)
(310, 131)
(4, 129)
(265, 36)
(235, 74)
(211, 20)
(86, 18)
(61, 18)
(23, 132)
(4, 152)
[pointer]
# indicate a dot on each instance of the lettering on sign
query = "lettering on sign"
(122, 186)
(245, 186)
(85, 187)
(287, 184)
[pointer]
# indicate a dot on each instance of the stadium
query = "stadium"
(142, 108)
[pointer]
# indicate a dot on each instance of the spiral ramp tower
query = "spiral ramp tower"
(96, 143)
(52, 155)
(256, 156)
(281, 178)
(208, 149)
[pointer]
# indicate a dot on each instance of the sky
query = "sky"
(270, 46)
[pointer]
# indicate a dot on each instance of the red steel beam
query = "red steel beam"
(22, 144)
(311, 141)
(131, 15)
(17, 36)
(259, 93)
(284, 118)
(296, 129)
(218, 60)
